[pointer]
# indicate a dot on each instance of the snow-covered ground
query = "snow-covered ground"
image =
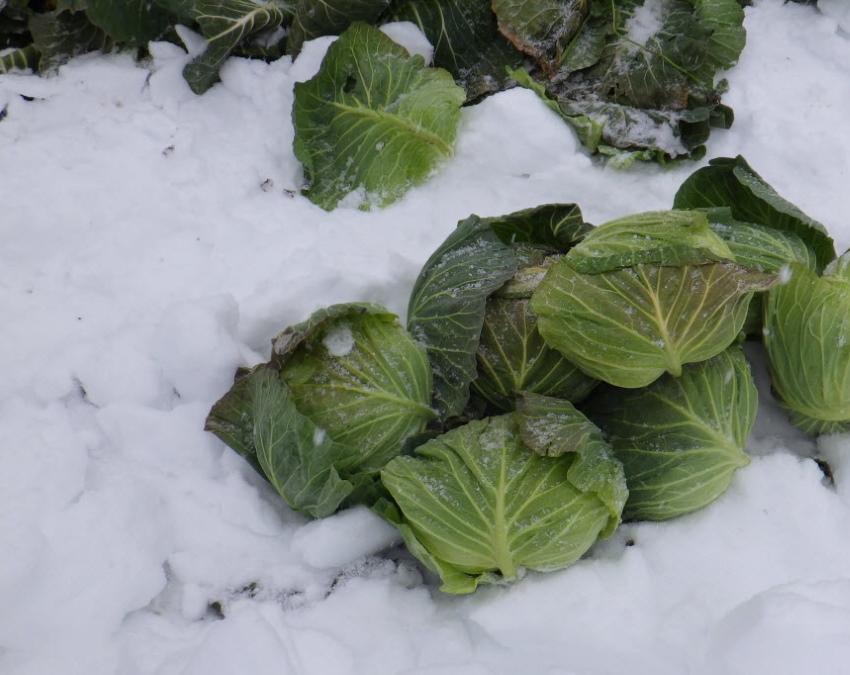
(152, 242)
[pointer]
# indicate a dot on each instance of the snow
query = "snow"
(143, 261)
(645, 22)
(339, 341)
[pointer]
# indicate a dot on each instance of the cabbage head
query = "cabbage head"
(470, 307)
(807, 337)
(343, 393)
(680, 439)
(486, 501)
(645, 295)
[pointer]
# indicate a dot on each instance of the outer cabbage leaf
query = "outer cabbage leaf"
(541, 28)
(731, 182)
(466, 41)
(552, 427)
(373, 119)
(226, 23)
(807, 337)
(314, 18)
(639, 77)
(299, 460)
(513, 357)
(59, 36)
(132, 22)
(476, 506)
(761, 248)
(554, 226)
(344, 392)
(355, 373)
(670, 238)
(629, 326)
(449, 300)
(680, 439)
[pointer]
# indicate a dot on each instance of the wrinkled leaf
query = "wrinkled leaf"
(314, 18)
(447, 306)
(680, 439)
(556, 226)
(639, 77)
(478, 507)
(225, 24)
(373, 120)
(466, 41)
(355, 373)
(541, 28)
(670, 238)
(630, 326)
(731, 182)
(552, 427)
(297, 457)
(807, 337)
(132, 22)
(512, 357)
(59, 36)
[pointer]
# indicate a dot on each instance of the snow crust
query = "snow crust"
(153, 241)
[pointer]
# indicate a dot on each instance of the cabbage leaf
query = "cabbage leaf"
(466, 41)
(669, 238)
(344, 392)
(629, 326)
(680, 439)
(448, 307)
(807, 337)
(314, 18)
(373, 121)
(225, 24)
(477, 506)
(732, 183)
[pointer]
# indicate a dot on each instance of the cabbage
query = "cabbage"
(480, 505)
(344, 392)
(470, 308)
(807, 337)
(644, 295)
(680, 439)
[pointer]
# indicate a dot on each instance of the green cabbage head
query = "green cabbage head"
(486, 501)
(343, 393)
(807, 337)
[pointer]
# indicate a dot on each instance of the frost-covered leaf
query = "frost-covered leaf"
(225, 24)
(373, 121)
(477, 506)
(807, 337)
(629, 326)
(670, 238)
(447, 306)
(58, 36)
(680, 439)
(314, 18)
(552, 427)
(541, 28)
(731, 182)
(466, 41)
(356, 374)
(638, 78)
(760, 248)
(449, 303)
(131, 22)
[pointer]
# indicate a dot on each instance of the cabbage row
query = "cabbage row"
(555, 378)
(636, 79)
